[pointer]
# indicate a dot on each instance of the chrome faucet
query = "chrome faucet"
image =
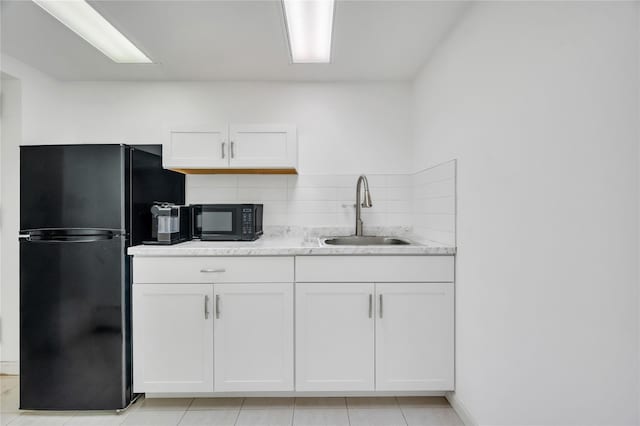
(366, 203)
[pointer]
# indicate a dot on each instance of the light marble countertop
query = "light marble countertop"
(270, 245)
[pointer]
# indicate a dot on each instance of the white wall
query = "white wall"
(10, 92)
(44, 106)
(539, 104)
(342, 127)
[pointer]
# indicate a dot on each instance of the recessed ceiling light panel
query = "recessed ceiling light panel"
(85, 21)
(309, 28)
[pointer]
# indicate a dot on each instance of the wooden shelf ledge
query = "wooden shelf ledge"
(236, 171)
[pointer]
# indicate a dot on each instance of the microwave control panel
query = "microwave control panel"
(247, 222)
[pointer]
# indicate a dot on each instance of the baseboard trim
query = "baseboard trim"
(9, 367)
(460, 409)
(290, 394)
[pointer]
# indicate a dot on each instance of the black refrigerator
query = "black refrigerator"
(81, 207)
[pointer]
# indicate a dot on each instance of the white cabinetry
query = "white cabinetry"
(414, 336)
(253, 337)
(227, 324)
(334, 337)
(412, 327)
(374, 269)
(196, 149)
(234, 146)
(199, 269)
(262, 146)
(172, 338)
(204, 324)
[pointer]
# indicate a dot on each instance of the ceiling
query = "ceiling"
(231, 40)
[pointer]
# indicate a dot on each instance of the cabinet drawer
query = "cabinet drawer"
(212, 269)
(374, 268)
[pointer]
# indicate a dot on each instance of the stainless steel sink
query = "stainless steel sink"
(365, 241)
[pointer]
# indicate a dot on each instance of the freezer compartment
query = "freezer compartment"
(73, 186)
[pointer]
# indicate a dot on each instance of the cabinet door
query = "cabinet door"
(414, 336)
(197, 149)
(172, 338)
(253, 335)
(263, 146)
(334, 336)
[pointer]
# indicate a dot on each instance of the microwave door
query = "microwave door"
(221, 223)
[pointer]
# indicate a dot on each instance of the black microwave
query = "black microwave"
(226, 222)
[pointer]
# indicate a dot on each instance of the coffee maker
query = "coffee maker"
(170, 224)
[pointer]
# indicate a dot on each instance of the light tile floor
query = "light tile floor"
(401, 411)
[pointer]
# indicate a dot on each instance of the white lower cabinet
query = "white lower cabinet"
(414, 336)
(334, 337)
(253, 337)
(412, 331)
(233, 331)
(172, 338)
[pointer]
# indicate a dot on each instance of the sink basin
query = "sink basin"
(365, 241)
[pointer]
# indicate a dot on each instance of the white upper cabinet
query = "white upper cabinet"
(414, 336)
(263, 146)
(173, 338)
(253, 337)
(235, 146)
(205, 148)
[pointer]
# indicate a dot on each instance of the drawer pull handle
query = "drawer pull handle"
(370, 305)
(207, 271)
(206, 306)
(380, 306)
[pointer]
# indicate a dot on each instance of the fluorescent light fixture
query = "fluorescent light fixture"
(85, 21)
(310, 27)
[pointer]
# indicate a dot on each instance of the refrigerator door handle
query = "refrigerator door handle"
(70, 236)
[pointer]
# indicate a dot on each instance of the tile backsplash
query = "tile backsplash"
(308, 200)
(328, 200)
(434, 203)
